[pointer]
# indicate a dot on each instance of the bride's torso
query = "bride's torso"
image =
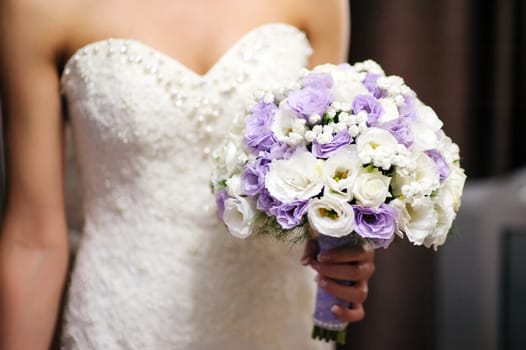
(155, 268)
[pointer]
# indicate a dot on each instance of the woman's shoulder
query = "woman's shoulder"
(45, 25)
(327, 25)
(312, 13)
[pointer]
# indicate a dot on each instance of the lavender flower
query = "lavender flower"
(257, 143)
(310, 100)
(377, 223)
(258, 136)
(262, 115)
(370, 105)
(253, 177)
(289, 215)
(400, 129)
(318, 81)
(265, 202)
(370, 82)
(339, 140)
(281, 150)
(408, 109)
(443, 168)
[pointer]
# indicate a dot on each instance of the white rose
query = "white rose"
(377, 146)
(284, 122)
(229, 157)
(393, 84)
(296, 178)
(449, 149)
(421, 182)
(428, 116)
(239, 215)
(371, 187)
(369, 66)
(347, 85)
(331, 216)
(339, 172)
(425, 130)
(444, 206)
(454, 184)
(417, 220)
(424, 137)
(234, 186)
(390, 110)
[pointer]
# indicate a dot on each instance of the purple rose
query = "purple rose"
(221, 197)
(408, 109)
(258, 136)
(440, 162)
(339, 140)
(283, 151)
(400, 129)
(290, 214)
(370, 82)
(265, 202)
(253, 178)
(307, 101)
(318, 81)
(263, 142)
(261, 116)
(376, 223)
(369, 105)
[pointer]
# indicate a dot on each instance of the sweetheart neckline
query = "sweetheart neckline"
(175, 60)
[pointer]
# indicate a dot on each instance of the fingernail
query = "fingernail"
(335, 309)
(322, 283)
(305, 260)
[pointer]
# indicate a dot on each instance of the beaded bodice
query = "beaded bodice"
(130, 102)
(155, 268)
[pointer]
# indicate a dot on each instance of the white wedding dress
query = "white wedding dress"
(155, 268)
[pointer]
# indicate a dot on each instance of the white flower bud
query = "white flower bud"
(354, 130)
(310, 136)
(324, 138)
(314, 118)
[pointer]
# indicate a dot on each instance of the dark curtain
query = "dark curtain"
(466, 59)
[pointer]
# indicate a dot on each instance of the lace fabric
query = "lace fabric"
(155, 268)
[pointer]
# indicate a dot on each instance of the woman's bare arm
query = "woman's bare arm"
(33, 239)
(328, 27)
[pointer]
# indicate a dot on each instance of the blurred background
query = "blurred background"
(466, 59)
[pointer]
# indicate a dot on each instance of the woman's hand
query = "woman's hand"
(353, 264)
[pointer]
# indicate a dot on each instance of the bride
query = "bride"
(155, 268)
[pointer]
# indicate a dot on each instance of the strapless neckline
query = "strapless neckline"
(167, 57)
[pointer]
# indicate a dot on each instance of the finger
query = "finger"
(356, 293)
(310, 252)
(353, 314)
(346, 271)
(348, 254)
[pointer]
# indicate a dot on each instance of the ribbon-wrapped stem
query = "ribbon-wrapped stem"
(326, 325)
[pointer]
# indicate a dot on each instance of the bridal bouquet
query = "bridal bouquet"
(345, 153)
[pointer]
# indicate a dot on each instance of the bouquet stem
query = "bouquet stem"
(328, 335)
(326, 325)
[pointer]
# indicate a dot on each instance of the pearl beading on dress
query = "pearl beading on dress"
(179, 81)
